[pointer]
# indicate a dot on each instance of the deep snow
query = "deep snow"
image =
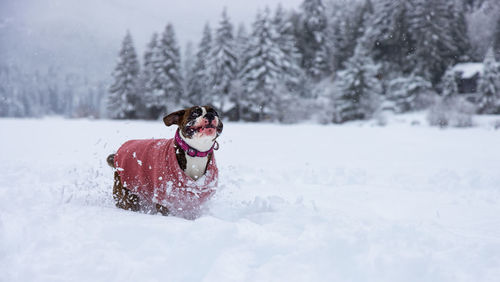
(295, 203)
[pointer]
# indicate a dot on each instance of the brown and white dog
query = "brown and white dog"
(171, 176)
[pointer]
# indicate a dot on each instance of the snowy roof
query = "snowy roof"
(468, 70)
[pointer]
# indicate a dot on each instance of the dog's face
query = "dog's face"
(198, 122)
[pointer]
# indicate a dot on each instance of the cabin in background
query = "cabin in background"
(467, 76)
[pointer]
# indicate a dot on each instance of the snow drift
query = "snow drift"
(304, 203)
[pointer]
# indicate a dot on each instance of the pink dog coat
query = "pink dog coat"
(149, 168)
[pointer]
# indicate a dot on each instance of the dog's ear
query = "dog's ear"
(174, 118)
(219, 127)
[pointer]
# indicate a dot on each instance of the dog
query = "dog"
(170, 176)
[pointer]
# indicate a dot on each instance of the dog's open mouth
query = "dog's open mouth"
(203, 130)
(206, 130)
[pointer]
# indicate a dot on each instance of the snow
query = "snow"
(468, 70)
(295, 203)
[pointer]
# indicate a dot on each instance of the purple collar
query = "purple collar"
(192, 152)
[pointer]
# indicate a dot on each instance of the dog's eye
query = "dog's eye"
(214, 112)
(196, 113)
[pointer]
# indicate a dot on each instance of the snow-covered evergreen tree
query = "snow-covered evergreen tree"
(167, 66)
(262, 71)
(458, 30)
(363, 18)
(481, 21)
(388, 35)
(293, 74)
(431, 27)
(188, 60)
(489, 86)
(284, 29)
(12, 95)
(339, 36)
(409, 93)
(359, 88)
(241, 43)
(148, 59)
(346, 27)
(150, 81)
(7, 101)
(449, 84)
(312, 42)
(123, 94)
(237, 98)
(222, 64)
(496, 40)
(198, 87)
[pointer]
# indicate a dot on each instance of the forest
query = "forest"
(326, 61)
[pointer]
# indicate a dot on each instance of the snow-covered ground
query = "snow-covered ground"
(295, 203)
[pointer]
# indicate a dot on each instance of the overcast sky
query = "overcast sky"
(76, 31)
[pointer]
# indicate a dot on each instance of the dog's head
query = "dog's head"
(196, 123)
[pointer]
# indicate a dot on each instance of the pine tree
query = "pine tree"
(362, 19)
(284, 30)
(496, 40)
(409, 93)
(5, 99)
(188, 73)
(285, 39)
(489, 86)
(388, 35)
(241, 44)
(123, 93)
(168, 72)
(222, 64)
(458, 30)
(293, 85)
(481, 23)
(359, 88)
(188, 61)
(313, 41)
(449, 84)
(340, 35)
(346, 28)
(150, 80)
(237, 97)
(262, 67)
(431, 28)
(12, 96)
(198, 90)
